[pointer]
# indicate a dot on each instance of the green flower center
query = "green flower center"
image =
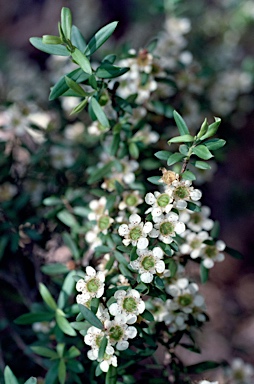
(211, 251)
(195, 244)
(239, 375)
(182, 192)
(163, 200)
(131, 200)
(135, 233)
(93, 285)
(196, 218)
(103, 222)
(185, 300)
(129, 304)
(116, 333)
(167, 228)
(148, 262)
(98, 340)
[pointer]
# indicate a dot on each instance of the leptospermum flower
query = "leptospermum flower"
(197, 221)
(212, 253)
(194, 243)
(130, 201)
(91, 286)
(129, 304)
(160, 202)
(148, 263)
(182, 192)
(166, 227)
(119, 332)
(136, 232)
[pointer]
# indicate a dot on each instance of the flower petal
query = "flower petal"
(142, 243)
(146, 277)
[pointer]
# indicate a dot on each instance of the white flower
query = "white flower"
(197, 221)
(194, 243)
(129, 304)
(148, 263)
(160, 202)
(208, 382)
(211, 253)
(119, 332)
(136, 232)
(61, 157)
(93, 338)
(107, 361)
(130, 201)
(182, 192)
(166, 227)
(240, 372)
(98, 208)
(91, 286)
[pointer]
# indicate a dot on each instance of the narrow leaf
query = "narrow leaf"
(82, 61)
(100, 173)
(62, 371)
(201, 165)
(108, 71)
(111, 376)
(61, 87)
(66, 22)
(90, 316)
(202, 152)
(99, 38)
(75, 87)
(103, 346)
(45, 352)
(155, 180)
(204, 273)
(64, 325)
(234, 253)
(47, 297)
(77, 39)
(99, 113)
(79, 107)
(9, 377)
(30, 318)
(67, 218)
(175, 158)
(182, 139)
(188, 175)
(215, 144)
(181, 125)
(59, 50)
(163, 155)
(32, 380)
(67, 289)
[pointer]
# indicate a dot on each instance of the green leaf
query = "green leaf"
(175, 158)
(188, 175)
(181, 125)
(159, 283)
(62, 371)
(203, 129)
(79, 325)
(47, 297)
(100, 37)
(147, 315)
(234, 253)
(9, 377)
(182, 139)
(100, 173)
(64, 325)
(61, 87)
(212, 129)
(45, 352)
(215, 144)
(77, 39)
(66, 22)
(49, 39)
(120, 258)
(75, 87)
(95, 302)
(82, 61)
(202, 151)
(111, 376)
(52, 200)
(193, 207)
(32, 380)
(215, 230)
(73, 352)
(201, 165)
(71, 245)
(90, 316)
(103, 346)
(133, 254)
(51, 375)
(93, 82)
(155, 180)
(67, 289)
(79, 107)
(172, 266)
(54, 269)
(163, 155)
(59, 50)
(109, 71)
(67, 218)
(30, 318)
(162, 109)
(204, 273)
(202, 367)
(133, 150)
(99, 113)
